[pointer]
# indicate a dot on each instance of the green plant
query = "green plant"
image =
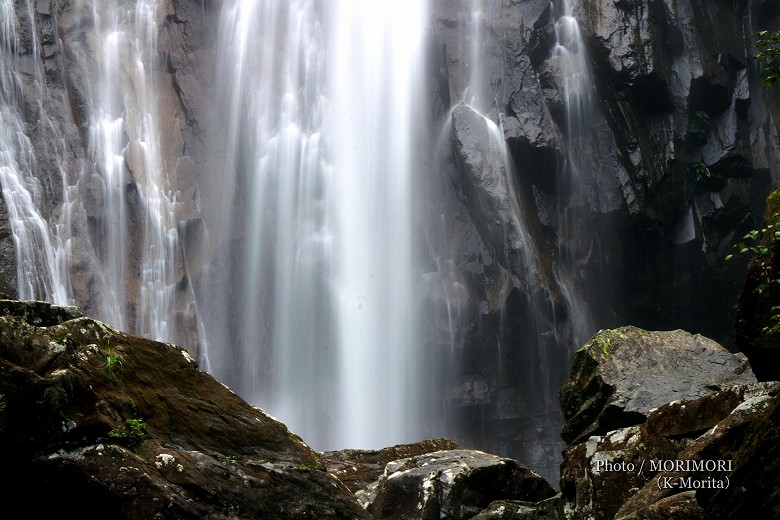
(132, 433)
(774, 328)
(702, 115)
(113, 362)
(701, 171)
(769, 43)
(753, 242)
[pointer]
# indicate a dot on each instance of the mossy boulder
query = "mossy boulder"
(622, 374)
(146, 435)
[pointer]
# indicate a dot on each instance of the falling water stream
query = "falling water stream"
(41, 254)
(310, 305)
(323, 110)
(131, 258)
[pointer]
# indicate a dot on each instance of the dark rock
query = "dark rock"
(682, 506)
(114, 425)
(756, 470)
(455, 484)
(621, 374)
(359, 468)
(617, 475)
(40, 314)
(548, 509)
(722, 443)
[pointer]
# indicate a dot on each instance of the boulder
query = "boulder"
(453, 484)
(620, 375)
(357, 469)
(110, 425)
(516, 510)
(621, 474)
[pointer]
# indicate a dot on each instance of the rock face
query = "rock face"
(55, 61)
(673, 162)
(620, 375)
(113, 425)
(357, 469)
(682, 451)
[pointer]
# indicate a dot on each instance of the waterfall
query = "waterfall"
(314, 293)
(577, 87)
(320, 307)
(105, 218)
(41, 252)
(138, 240)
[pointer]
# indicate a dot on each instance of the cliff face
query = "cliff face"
(56, 55)
(633, 194)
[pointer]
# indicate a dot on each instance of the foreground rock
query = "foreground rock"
(621, 374)
(453, 484)
(103, 424)
(358, 469)
(711, 456)
(617, 475)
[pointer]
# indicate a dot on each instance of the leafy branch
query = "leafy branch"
(769, 43)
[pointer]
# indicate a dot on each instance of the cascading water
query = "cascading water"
(116, 203)
(520, 340)
(138, 245)
(577, 88)
(41, 253)
(321, 302)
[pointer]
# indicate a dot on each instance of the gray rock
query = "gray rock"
(616, 475)
(455, 484)
(620, 375)
(516, 510)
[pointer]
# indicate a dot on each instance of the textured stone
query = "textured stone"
(454, 484)
(359, 468)
(114, 425)
(620, 375)
(617, 475)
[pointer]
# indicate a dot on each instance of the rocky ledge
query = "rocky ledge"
(96, 423)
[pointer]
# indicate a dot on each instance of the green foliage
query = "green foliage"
(132, 433)
(769, 45)
(113, 362)
(753, 242)
(701, 172)
(702, 115)
(758, 243)
(774, 328)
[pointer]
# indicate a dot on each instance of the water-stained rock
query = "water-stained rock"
(621, 374)
(357, 469)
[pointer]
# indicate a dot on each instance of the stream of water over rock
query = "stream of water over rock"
(319, 294)
(324, 103)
